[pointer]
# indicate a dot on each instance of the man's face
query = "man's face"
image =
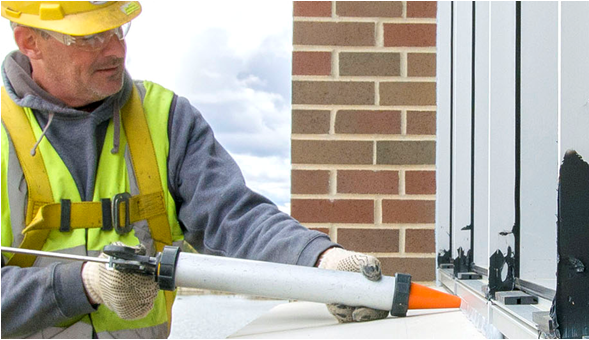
(80, 77)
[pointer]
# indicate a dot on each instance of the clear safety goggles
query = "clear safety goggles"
(91, 42)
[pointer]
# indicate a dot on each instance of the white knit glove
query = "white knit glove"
(341, 259)
(129, 295)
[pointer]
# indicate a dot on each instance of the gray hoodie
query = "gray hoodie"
(218, 213)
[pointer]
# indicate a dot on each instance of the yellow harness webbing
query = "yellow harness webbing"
(148, 177)
(145, 166)
(35, 174)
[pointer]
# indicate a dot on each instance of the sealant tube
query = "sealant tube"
(292, 282)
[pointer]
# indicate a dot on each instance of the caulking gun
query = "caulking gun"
(172, 268)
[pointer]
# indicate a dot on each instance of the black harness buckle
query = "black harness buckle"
(118, 199)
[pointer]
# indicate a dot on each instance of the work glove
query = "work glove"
(129, 295)
(341, 259)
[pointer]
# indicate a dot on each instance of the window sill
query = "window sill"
(513, 321)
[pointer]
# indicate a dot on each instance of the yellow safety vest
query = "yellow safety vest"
(56, 220)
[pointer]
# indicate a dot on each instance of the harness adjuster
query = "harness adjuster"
(66, 211)
(117, 200)
(106, 214)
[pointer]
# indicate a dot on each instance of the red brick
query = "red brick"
(409, 35)
(368, 122)
(369, 240)
(322, 230)
(422, 9)
(405, 152)
(334, 33)
(408, 211)
(337, 211)
(421, 64)
(311, 63)
(408, 93)
(311, 121)
(333, 92)
(420, 241)
(331, 152)
(420, 182)
(367, 182)
(369, 64)
(382, 9)
(421, 122)
(312, 8)
(309, 182)
(421, 269)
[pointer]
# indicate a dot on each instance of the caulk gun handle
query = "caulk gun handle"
(162, 267)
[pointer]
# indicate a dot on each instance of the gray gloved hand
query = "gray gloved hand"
(341, 259)
(129, 295)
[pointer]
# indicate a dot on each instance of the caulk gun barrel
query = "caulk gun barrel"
(283, 281)
(51, 254)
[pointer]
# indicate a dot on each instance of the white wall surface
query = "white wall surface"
(554, 117)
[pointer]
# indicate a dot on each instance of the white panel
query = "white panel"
(462, 124)
(481, 158)
(502, 125)
(575, 77)
(443, 128)
(539, 147)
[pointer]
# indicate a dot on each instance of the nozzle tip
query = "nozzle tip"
(422, 297)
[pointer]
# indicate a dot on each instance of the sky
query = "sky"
(232, 60)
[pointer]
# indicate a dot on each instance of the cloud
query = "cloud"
(232, 60)
(269, 176)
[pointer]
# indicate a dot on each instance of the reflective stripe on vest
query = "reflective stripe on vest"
(116, 173)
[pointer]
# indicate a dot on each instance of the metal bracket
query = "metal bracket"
(496, 266)
(444, 257)
(516, 297)
(545, 325)
(469, 276)
(462, 262)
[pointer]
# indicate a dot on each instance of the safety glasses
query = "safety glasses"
(91, 42)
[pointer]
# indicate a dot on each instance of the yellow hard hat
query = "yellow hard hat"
(71, 17)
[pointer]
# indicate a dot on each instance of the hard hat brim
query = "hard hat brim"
(102, 19)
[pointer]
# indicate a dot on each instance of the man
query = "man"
(145, 164)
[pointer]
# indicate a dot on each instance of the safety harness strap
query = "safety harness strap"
(148, 178)
(34, 171)
(33, 166)
(86, 215)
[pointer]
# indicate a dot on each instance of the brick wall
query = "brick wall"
(363, 128)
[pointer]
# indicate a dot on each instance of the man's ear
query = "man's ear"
(28, 42)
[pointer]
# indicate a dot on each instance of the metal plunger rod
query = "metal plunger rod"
(52, 254)
(282, 281)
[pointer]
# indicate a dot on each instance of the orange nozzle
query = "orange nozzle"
(422, 297)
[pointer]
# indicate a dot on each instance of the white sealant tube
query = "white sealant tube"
(283, 281)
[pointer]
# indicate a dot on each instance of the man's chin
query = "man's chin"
(110, 86)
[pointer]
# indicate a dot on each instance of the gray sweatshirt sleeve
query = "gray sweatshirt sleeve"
(219, 214)
(36, 298)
